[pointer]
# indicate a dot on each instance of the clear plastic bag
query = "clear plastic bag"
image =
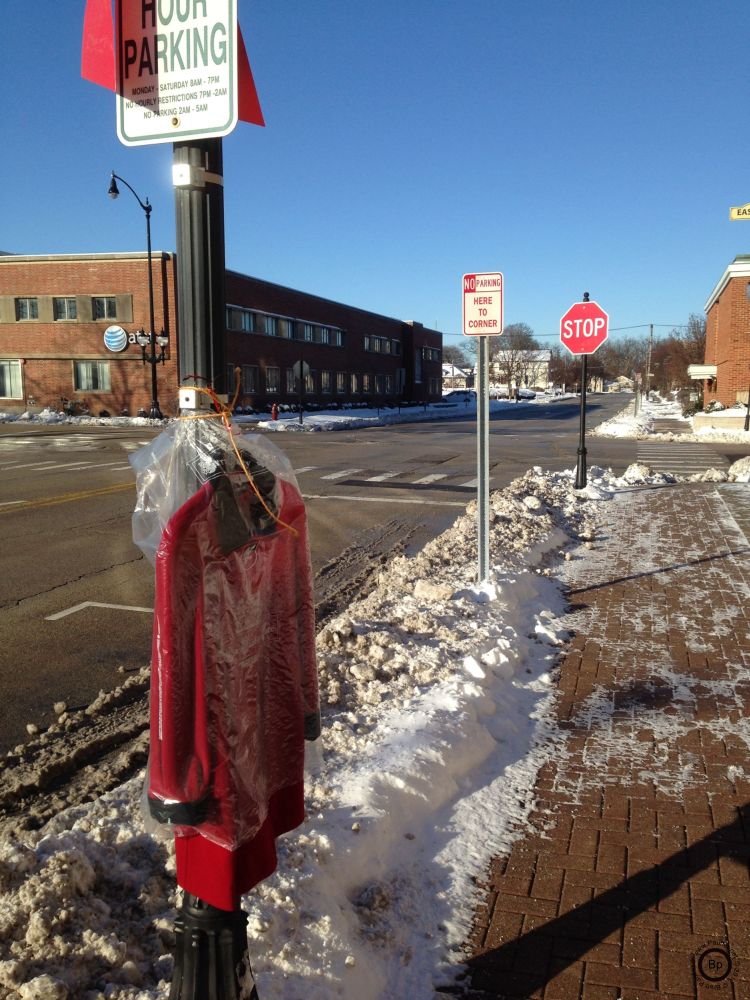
(234, 683)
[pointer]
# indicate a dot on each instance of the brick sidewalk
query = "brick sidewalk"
(637, 863)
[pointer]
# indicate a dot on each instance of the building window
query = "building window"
(341, 382)
(337, 338)
(310, 382)
(418, 366)
(270, 325)
(104, 307)
(326, 383)
(286, 328)
(322, 335)
(240, 319)
(10, 380)
(354, 384)
(249, 378)
(382, 345)
(380, 385)
(434, 386)
(291, 381)
(64, 308)
(27, 309)
(367, 383)
(273, 379)
(91, 376)
(430, 354)
(307, 331)
(366, 343)
(389, 385)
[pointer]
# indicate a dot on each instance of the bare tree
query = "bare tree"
(512, 355)
(454, 355)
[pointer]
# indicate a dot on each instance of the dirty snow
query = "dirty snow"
(437, 699)
(324, 420)
(641, 427)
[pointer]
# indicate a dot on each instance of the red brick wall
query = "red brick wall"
(48, 349)
(728, 342)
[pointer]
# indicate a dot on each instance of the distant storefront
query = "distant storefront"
(69, 325)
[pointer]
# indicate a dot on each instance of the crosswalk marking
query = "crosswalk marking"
(342, 474)
(306, 468)
(682, 460)
(382, 477)
(430, 479)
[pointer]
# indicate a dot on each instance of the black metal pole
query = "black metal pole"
(747, 412)
(581, 467)
(151, 358)
(199, 212)
(155, 413)
(211, 944)
(301, 377)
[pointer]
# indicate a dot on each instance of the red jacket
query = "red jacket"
(233, 684)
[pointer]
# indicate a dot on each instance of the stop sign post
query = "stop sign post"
(583, 329)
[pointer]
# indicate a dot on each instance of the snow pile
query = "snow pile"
(625, 425)
(739, 471)
(437, 698)
(325, 420)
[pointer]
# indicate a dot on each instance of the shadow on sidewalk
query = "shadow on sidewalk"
(662, 569)
(525, 965)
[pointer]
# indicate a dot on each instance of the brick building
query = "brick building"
(726, 370)
(56, 310)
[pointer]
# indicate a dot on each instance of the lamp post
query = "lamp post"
(146, 339)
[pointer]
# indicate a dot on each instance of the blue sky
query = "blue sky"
(575, 146)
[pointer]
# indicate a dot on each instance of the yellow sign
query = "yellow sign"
(743, 212)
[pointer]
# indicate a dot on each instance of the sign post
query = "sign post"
(583, 329)
(483, 317)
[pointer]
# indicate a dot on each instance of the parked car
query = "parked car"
(460, 396)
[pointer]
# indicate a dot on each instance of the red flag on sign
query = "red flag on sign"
(98, 59)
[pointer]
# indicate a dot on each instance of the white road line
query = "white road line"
(108, 465)
(360, 499)
(95, 604)
(341, 475)
(67, 465)
(382, 477)
(10, 503)
(430, 479)
(30, 465)
(306, 468)
(471, 482)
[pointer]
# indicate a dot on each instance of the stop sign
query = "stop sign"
(584, 327)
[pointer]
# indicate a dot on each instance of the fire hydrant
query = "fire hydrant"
(275, 411)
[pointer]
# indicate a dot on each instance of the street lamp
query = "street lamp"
(146, 339)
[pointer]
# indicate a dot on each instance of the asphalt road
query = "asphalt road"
(75, 593)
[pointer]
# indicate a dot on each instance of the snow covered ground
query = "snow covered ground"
(437, 699)
(325, 420)
(626, 425)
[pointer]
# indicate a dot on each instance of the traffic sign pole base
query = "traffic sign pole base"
(210, 954)
(581, 469)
